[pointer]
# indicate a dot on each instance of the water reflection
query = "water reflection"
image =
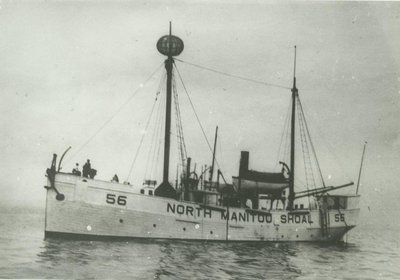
(98, 259)
(227, 260)
(166, 259)
(187, 260)
(55, 252)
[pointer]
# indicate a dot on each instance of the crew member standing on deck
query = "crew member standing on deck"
(76, 170)
(86, 169)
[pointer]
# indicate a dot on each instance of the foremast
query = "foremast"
(170, 46)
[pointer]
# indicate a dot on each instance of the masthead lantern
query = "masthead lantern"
(170, 45)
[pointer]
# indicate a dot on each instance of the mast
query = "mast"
(213, 159)
(292, 137)
(359, 173)
(170, 46)
(168, 67)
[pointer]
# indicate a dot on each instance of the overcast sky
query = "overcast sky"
(67, 67)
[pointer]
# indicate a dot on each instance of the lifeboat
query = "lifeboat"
(250, 181)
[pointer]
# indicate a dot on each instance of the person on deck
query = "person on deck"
(86, 169)
(76, 170)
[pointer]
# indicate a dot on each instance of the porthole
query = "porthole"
(154, 225)
(211, 232)
(121, 221)
(297, 236)
(184, 229)
(281, 236)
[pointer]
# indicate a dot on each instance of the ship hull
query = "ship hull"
(93, 209)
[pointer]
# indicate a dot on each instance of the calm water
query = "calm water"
(372, 253)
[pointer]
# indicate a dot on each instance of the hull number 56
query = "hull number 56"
(119, 199)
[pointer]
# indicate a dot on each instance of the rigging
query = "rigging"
(178, 123)
(155, 133)
(136, 91)
(144, 134)
(195, 113)
(233, 76)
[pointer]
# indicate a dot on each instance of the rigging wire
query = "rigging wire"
(141, 141)
(308, 167)
(154, 135)
(136, 91)
(156, 142)
(159, 128)
(145, 131)
(312, 145)
(178, 123)
(232, 75)
(310, 181)
(197, 117)
(286, 145)
(284, 132)
(160, 140)
(328, 145)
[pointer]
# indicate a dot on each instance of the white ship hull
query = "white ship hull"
(97, 209)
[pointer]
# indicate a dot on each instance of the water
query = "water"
(372, 253)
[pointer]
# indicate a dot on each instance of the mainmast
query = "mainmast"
(170, 46)
(295, 94)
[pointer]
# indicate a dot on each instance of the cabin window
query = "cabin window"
(301, 206)
(150, 192)
(342, 202)
(296, 206)
(142, 191)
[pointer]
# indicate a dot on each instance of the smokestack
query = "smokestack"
(244, 163)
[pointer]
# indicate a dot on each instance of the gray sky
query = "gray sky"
(68, 66)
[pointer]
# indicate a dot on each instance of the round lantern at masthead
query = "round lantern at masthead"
(170, 45)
